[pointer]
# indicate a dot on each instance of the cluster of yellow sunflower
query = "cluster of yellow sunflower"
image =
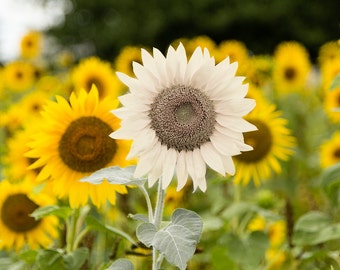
(55, 120)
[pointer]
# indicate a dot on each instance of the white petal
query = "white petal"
(148, 60)
(234, 106)
(237, 135)
(156, 170)
(182, 63)
(146, 77)
(122, 134)
(201, 76)
(200, 170)
(235, 123)
(223, 146)
(189, 163)
(171, 64)
(144, 141)
(181, 171)
(147, 161)
(212, 157)
(194, 63)
(169, 167)
(228, 165)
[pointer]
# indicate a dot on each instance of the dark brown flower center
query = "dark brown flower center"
(261, 140)
(86, 146)
(336, 153)
(15, 213)
(290, 73)
(97, 82)
(182, 117)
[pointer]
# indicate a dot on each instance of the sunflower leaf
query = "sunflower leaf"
(177, 243)
(121, 264)
(60, 211)
(76, 259)
(145, 233)
(115, 175)
(188, 219)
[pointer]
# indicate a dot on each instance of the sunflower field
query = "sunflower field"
(204, 155)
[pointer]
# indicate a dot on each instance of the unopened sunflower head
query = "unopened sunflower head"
(182, 115)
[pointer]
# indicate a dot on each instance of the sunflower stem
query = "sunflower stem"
(71, 230)
(80, 237)
(157, 219)
(148, 202)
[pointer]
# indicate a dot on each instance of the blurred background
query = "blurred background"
(103, 27)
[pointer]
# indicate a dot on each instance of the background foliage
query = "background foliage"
(108, 25)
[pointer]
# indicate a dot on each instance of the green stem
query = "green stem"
(79, 237)
(148, 202)
(157, 219)
(71, 230)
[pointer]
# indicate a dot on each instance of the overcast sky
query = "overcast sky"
(17, 17)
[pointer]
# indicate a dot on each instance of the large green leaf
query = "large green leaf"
(188, 219)
(176, 243)
(145, 233)
(248, 251)
(115, 175)
(315, 228)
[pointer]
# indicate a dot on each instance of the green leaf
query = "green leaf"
(176, 243)
(315, 228)
(59, 211)
(29, 256)
(330, 181)
(248, 252)
(76, 259)
(313, 221)
(50, 259)
(145, 233)
(335, 83)
(9, 264)
(115, 175)
(121, 264)
(188, 219)
(220, 259)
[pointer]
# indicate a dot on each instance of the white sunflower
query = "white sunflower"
(182, 115)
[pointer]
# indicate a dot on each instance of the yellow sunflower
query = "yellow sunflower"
(74, 142)
(19, 76)
(329, 71)
(330, 151)
(291, 67)
(236, 51)
(31, 44)
(259, 71)
(94, 71)
(15, 162)
(127, 55)
(332, 104)
(23, 112)
(18, 229)
(272, 143)
(328, 52)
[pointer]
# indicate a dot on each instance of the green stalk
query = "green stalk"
(157, 219)
(148, 202)
(72, 230)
